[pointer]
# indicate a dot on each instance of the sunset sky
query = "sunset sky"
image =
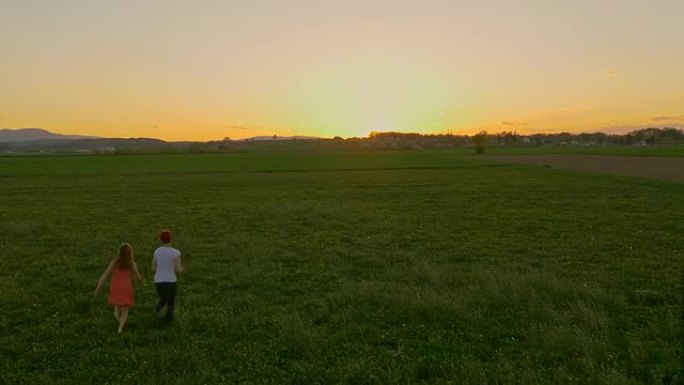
(201, 70)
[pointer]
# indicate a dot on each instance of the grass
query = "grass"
(228, 162)
(354, 268)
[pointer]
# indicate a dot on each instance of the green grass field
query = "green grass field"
(357, 268)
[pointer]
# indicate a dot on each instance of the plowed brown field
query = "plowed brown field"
(664, 168)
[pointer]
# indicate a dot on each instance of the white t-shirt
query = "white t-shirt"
(164, 258)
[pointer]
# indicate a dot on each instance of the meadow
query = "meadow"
(357, 268)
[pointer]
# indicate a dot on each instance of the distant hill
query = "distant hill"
(276, 137)
(37, 140)
(27, 141)
(88, 145)
(29, 134)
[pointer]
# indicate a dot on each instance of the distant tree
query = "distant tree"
(673, 134)
(629, 139)
(508, 138)
(480, 140)
(600, 137)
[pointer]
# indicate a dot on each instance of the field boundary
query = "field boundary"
(661, 168)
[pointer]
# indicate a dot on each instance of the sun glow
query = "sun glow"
(219, 70)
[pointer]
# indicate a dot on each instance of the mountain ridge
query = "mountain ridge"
(29, 134)
(41, 134)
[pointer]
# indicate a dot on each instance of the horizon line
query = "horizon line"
(620, 130)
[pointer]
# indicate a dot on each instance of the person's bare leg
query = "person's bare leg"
(123, 316)
(116, 312)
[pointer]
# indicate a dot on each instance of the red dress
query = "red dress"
(121, 288)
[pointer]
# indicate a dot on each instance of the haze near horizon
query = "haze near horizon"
(180, 71)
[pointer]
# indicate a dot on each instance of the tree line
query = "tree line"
(375, 141)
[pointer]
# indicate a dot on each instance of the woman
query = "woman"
(121, 289)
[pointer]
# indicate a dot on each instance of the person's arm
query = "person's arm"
(104, 276)
(154, 264)
(137, 273)
(177, 265)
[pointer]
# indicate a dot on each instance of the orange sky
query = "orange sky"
(209, 69)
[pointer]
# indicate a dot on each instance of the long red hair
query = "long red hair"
(125, 259)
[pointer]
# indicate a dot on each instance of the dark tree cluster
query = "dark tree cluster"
(480, 142)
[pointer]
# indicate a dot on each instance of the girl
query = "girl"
(121, 289)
